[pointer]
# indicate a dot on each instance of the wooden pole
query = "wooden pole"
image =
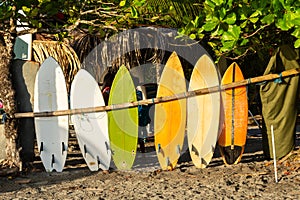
(274, 154)
(157, 100)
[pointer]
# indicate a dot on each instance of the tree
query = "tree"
(231, 28)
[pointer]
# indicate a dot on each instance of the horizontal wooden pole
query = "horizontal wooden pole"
(157, 100)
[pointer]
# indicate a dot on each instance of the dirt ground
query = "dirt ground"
(253, 178)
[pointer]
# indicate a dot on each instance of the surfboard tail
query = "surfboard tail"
(232, 154)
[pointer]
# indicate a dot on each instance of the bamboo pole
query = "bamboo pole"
(157, 100)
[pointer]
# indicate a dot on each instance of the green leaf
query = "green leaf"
(196, 22)
(281, 24)
(134, 12)
(254, 17)
(231, 18)
(296, 21)
(276, 5)
(211, 25)
(139, 3)
(255, 14)
(229, 3)
(218, 2)
(227, 36)
(36, 23)
(193, 36)
(212, 44)
(243, 17)
(244, 42)
(35, 12)
(210, 4)
(122, 3)
(285, 23)
(222, 13)
(268, 19)
(227, 46)
(297, 43)
(236, 31)
(25, 9)
(91, 29)
(244, 24)
(254, 20)
(296, 33)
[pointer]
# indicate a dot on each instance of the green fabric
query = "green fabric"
(279, 103)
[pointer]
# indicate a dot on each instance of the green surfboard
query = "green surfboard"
(123, 123)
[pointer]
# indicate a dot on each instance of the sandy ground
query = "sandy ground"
(253, 178)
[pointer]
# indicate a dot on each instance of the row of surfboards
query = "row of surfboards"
(219, 117)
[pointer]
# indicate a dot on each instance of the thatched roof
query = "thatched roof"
(62, 52)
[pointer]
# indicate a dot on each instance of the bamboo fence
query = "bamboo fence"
(163, 99)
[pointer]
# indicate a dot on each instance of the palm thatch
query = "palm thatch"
(63, 53)
(182, 8)
(84, 44)
(132, 48)
(98, 54)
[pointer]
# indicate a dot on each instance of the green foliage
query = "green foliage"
(235, 28)
(231, 28)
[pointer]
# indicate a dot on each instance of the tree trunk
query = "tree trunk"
(7, 94)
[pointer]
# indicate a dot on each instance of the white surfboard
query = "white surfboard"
(50, 94)
(203, 122)
(91, 128)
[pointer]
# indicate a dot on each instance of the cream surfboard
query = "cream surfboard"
(91, 128)
(203, 113)
(170, 117)
(50, 94)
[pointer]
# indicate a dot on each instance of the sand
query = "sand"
(253, 178)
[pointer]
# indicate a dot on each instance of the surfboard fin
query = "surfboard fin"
(203, 162)
(158, 148)
(63, 147)
(178, 149)
(42, 147)
(195, 150)
(168, 161)
(98, 160)
(52, 160)
(107, 147)
(84, 150)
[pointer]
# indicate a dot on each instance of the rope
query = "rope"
(278, 80)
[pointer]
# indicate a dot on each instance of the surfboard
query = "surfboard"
(203, 114)
(50, 94)
(123, 123)
(170, 117)
(233, 137)
(91, 128)
(23, 77)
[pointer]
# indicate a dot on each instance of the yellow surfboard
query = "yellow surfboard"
(233, 137)
(170, 117)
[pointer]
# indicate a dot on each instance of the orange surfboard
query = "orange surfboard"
(170, 117)
(233, 137)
